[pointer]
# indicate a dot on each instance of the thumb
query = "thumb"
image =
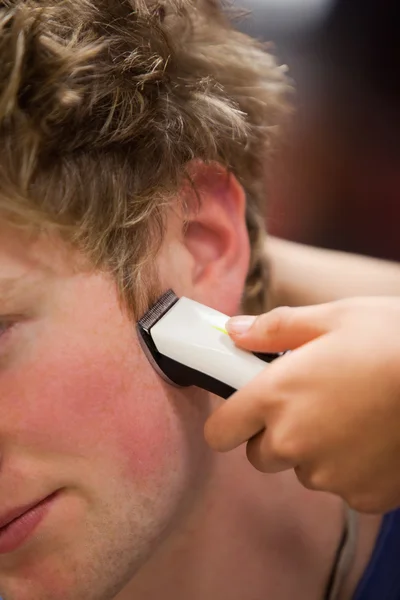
(281, 329)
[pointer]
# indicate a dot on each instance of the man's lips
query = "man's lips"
(18, 523)
(15, 513)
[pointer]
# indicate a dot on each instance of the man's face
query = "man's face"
(86, 424)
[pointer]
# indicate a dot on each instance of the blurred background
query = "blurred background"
(336, 182)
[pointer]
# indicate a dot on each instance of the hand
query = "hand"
(331, 408)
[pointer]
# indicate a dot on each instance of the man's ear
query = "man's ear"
(216, 237)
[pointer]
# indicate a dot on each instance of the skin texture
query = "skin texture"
(144, 509)
(73, 421)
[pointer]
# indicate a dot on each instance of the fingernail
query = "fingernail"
(239, 325)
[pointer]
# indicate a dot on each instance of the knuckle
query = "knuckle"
(313, 479)
(273, 322)
(284, 445)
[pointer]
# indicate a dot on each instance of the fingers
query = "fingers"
(251, 409)
(262, 415)
(235, 421)
(283, 328)
(243, 418)
(262, 455)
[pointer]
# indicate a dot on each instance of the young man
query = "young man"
(119, 123)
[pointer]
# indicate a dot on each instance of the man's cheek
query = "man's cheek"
(145, 431)
(95, 408)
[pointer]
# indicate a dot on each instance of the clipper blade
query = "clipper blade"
(144, 325)
(158, 310)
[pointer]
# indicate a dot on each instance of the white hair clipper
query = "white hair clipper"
(187, 344)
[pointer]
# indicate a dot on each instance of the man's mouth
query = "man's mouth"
(18, 523)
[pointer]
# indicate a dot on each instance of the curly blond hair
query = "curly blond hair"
(103, 103)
